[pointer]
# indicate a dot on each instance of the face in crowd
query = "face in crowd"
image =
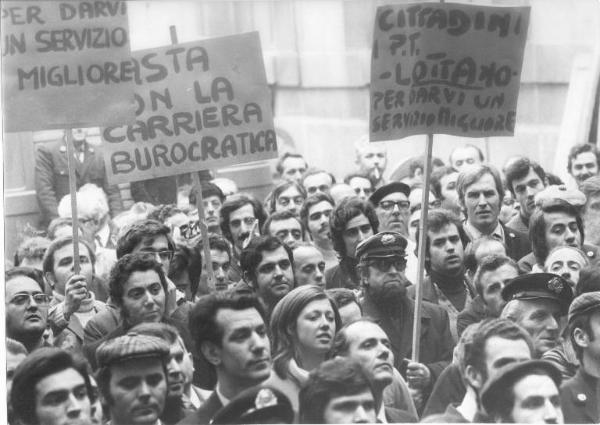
(567, 263)
(212, 210)
(274, 275)
(241, 222)
(315, 327)
(180, 369)
(464, 157)
(288, 231)
(357, 229)
(356, 408)
(317, 183)
(541, 318)
(372, 160)
(289, 200)
(309, 266)
(143, 297)
(446, 253)
(393, 212)
(384, 279)
(318, 221)
(482, 202)
(64, 267)
(584, 166)
(293, 168)
(449, 193)
(492, 282)
(26, 308)
(536, 400)
(525, 190)
(221, 264)
(561, 230)
(362, 187)
(158, 246)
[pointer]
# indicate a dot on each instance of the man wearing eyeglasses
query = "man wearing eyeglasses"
(267, 267)
(361, 184)
(285, 226)
(315, 214)
(381, 264)
(26, 307)
(309, 265)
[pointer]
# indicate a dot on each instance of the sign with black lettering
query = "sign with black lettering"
(200, 105)
(65, 64)
(446, 68)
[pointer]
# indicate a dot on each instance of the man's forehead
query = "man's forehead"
(306, 254)
(293, 161)
(229, 319)
(67, 251)
(321, 206)
(538, 305)
(275, 255)
(153, 240)
(21, 284)
(136, 367)
(361, 331)
(394, 196)
(447, 230)
(558, 216)
(288, 223)
(142, 278)
(64, 379)
(585, 157)
(483, 182)
(244, 210)
(465, 151)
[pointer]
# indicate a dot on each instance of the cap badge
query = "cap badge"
(265, 398)
(388, 239)
(555, 285)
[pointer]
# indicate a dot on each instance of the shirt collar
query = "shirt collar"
(224, 401)
(381, 418)
(475, 234)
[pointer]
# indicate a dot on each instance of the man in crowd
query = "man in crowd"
(371, 160)
(347, 303)
(591, 211)
(212, 202)
(443, 186)
(220, 257)
(262, 404)
(366, 343)
(538, 302)
(291, 167)
(285, 226)
(26, 307)
(309, 265)
(352, 221)
(446, 284)
(483, 349)
(231, 334)
(524, 179)
(267, 265)
(52, 176)
(465, 156)
(583, 162)
(132, 378)
(316, 180)
(340, 191)
(337, 392)
(524, 392)
(381, 265)
(15, 354)
(480, 193)
(554, 223)
(361, 184)
(315, 213)
(52, 387)
(580, 394)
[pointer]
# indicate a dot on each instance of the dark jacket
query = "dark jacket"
(449, 389)
(397, 416)
(205, 413)
(474, 312)
(580, 399)
(450, 416)
(340, 276)
(517, 243)
(527, 262)
(52, 177)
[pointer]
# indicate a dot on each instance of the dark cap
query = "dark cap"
(507, 376)
(382, 245)
(208, 189)
(535, 286)
(584, 303)
(385, 190)
(131, 346)
(257, 405)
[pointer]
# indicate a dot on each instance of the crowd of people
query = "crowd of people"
(308, 313)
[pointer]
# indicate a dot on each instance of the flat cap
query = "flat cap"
(131, 346)
(257, 405)
(572, 196)
(382, 245)
(507, 376)
(385, 190)
(584, 303)
(535, 286)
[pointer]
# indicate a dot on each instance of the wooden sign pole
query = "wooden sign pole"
(73, 194)
(210, 280)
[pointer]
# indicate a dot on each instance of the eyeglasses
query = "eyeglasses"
(385, 264)
(22, 299)
(269, 268)
(311, 268)
(165, 255)
(389, 205)
(284, 233)
(317, 215)
(366, 191)
(353, 231)
(314, 189)
(248, 221)
(285, 201)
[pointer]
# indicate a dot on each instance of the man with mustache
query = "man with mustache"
(480, 193)
(231, 333)
(285, 226)
(315, 213)
(524, 179)
(132, 378)
(381, 267)
(538, 302)
(371, 160)
(583, 162)
(446, 284)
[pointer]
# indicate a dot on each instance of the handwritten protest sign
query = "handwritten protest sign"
(446, 68)
(66, 64)
(199, 105)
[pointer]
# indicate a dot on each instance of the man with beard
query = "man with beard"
(480, 192)
(267, 265)
(591, 211)
(315, 213)
(524, 179)
(443, 186)
(132, 378)
(446, 284)
(381, 265)
(212, 201)
(371, 159)
(351, 222)
(538, 302)
(583, 162)
(231, 333)
(309, 265)
(554, 223)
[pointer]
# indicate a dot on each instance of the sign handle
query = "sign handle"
(73, 194)
(422, 248)
(200, 205)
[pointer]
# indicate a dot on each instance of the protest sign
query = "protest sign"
(64, 64)
(200, 105)
(446, 68)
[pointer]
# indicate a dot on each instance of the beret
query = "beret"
(261, 404)
(131, 346)
(584, 303)
(535, 286)
(506, 377)
(382, 245)
(572, 196)
(385, 190)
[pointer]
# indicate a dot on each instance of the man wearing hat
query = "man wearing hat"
(258, 405)
(132, 378)
(580, 394)
(381, 267)
(537, 302)
(524, 392)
